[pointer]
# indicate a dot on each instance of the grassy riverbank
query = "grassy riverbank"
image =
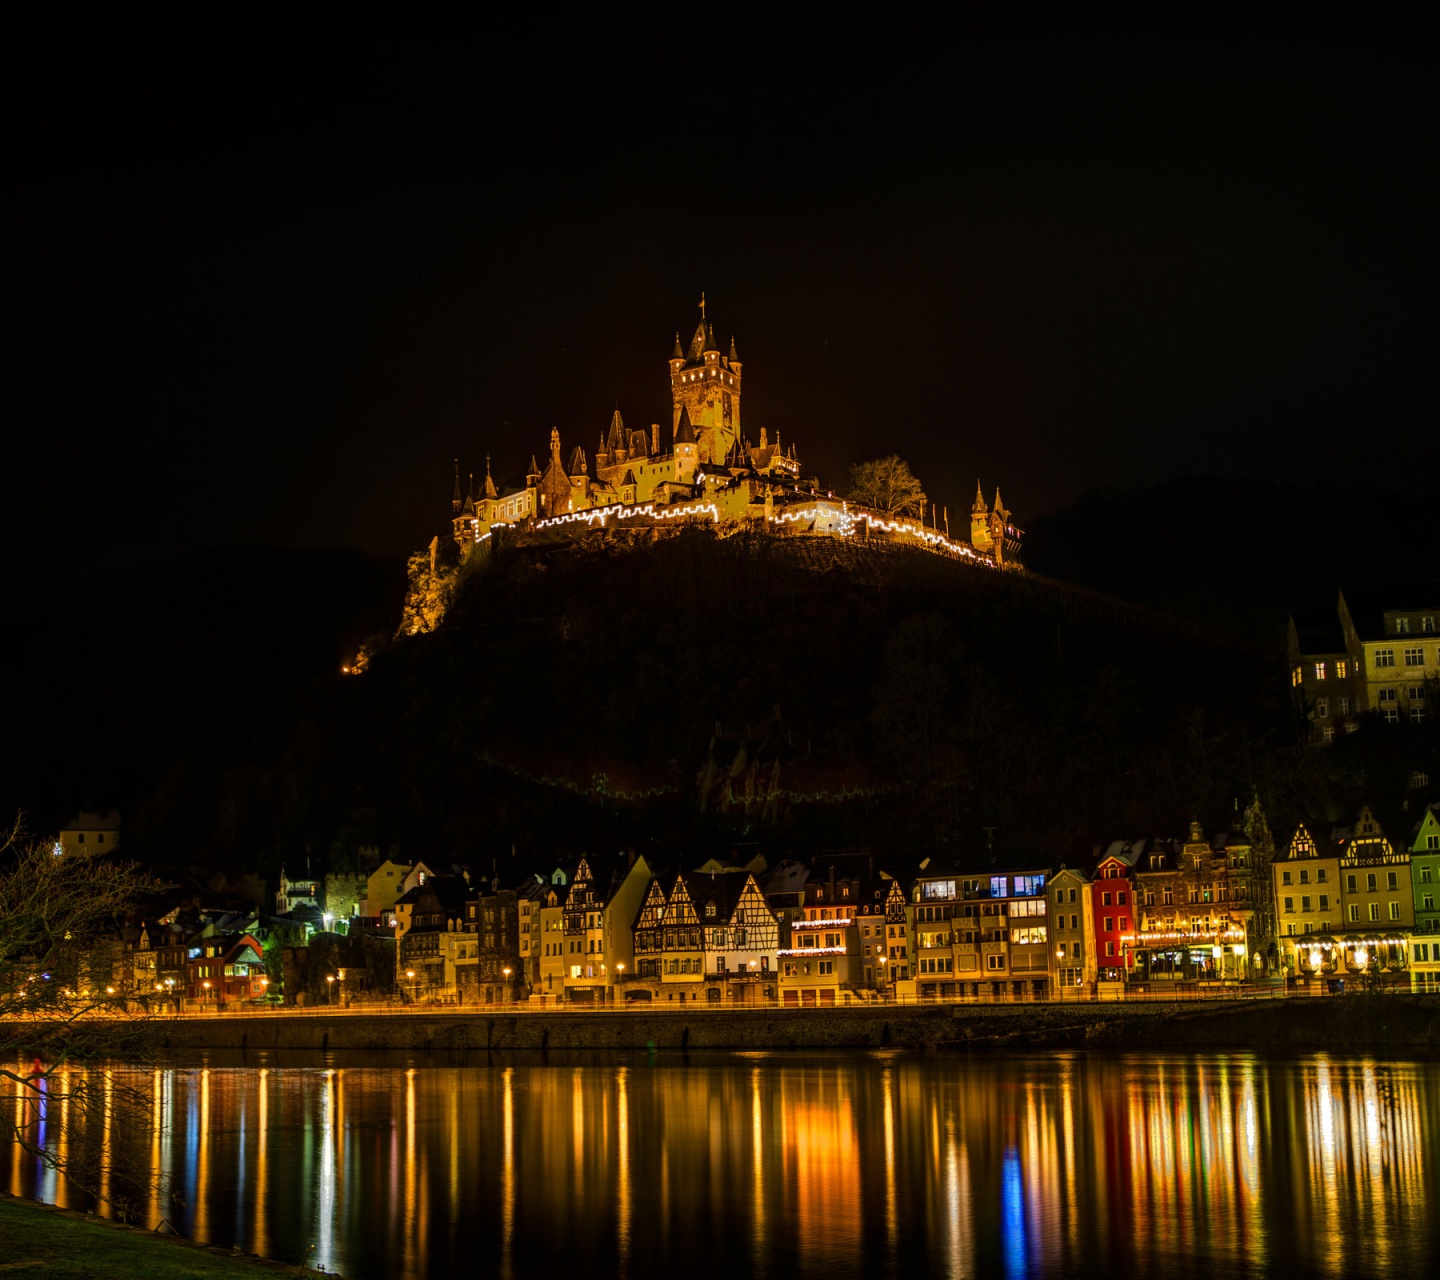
(41, 1240)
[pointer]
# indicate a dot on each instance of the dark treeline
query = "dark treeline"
(571, 698)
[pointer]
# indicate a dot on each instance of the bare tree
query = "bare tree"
(887, 484)
(70, 1013)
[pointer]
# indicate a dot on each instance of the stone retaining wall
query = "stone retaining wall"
(1341, 1023)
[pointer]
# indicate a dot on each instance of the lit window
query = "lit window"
(1354, 912)
(1402, 626)
(1341, 667)
(1374, 911)
(1319, 671)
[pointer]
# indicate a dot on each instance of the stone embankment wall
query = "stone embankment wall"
(1342, 1023)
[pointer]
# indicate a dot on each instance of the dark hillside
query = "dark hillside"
(683, 697)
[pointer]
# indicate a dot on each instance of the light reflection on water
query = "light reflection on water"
(773, 1166)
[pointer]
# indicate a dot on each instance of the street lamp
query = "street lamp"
(329, 988)
(506, 994)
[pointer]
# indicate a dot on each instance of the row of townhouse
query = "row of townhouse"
(1360, 901)
(1130, 916)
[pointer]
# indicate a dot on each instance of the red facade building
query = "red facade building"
(1115, 916)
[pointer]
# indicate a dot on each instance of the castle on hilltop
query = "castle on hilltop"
(708, 471)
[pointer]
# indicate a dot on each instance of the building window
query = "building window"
(1415, 657)
(1105, 902)
(1322, 708)
(1305, 903)
(1354, 913)
(1394, 911)
(1297, 677)
(1319, 671)
(1327, 733)
(827, 967)
(1384, 658)
(1284, 877)
(1340, 669)
(1289, 904)
(1427, 623)
(1402, 626)
(994, 962)
(1374, 911)
(1342, 706)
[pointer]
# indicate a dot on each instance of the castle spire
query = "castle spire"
(733, 355)
(457, 502)
(979, 506)
(678, 353)
(684, 432)
(555, 443)
(489, 483)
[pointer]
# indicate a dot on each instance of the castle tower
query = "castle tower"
(980, 537)
(686, 449)
(556, 491)
(707, 384)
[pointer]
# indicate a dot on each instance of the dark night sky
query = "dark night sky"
(265, 278)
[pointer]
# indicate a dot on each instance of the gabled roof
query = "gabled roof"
(721, 890)
(1318, 632)
(1368, 605)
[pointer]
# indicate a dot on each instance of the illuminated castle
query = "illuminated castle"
(708, 470)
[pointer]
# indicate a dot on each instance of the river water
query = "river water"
(762, 1164)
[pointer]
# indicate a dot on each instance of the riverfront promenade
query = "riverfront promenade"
(1375, 1022)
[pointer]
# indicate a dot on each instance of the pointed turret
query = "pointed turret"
(685, 451)
(616, 439)
(489, 483)
(532, 477)
(710, 343)
(470, 493)
(457, 501)
(579, 468)
(684, 432)
(733, 356)
(979, 508)
(679, 352)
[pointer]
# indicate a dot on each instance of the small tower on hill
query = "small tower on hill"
(686, 450)
(980, 537)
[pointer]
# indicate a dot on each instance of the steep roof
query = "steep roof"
(684, 432)
(1367, 605)
(1318, 631)
(721, 890)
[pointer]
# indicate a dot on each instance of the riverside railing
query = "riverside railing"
(690, 1008)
